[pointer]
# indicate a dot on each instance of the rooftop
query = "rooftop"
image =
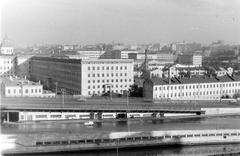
(78, 61)
(14, 81)
(187, 80)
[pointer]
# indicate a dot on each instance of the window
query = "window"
(88, 81)
(88, 75)
(102, 75)
(26, 91)
(125, 67)
(89, 68)
(98, 68)
(40, 91)
(89, 87)
(9, 91)
(93, 68)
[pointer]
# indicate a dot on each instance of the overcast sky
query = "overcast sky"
(128, 21)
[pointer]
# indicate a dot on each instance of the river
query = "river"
(223, 122)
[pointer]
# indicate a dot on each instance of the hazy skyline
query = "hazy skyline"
(30, 22)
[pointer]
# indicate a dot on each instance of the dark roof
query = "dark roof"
(53, 59)
(186, 80)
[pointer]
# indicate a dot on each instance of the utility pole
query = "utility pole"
(56, 83)
(63, 91)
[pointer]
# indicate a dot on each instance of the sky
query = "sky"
(28, 22)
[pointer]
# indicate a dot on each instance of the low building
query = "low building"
(156, 72)
(17, 87)
(220, 71)
(194, 88)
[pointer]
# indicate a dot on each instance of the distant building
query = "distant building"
(85, 77)
(165, 58)
(6, 47)
(119, 54)
(8, 65)
(195, 88)
(190, 59)
(17, 87)
(87, 54)
(69, 47)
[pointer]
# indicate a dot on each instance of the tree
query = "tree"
(237, 95)
(135, 91)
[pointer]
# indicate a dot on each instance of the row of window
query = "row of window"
(5, 67)
(197, 86)
(98, 86)
(196, 93)
(107, 68)
(14, 91)
(107, 75)
(101, 92)
(112, 80)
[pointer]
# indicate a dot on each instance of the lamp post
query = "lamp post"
(63, 91)
(56, 83)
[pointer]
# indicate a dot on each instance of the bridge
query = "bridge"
(98, 106)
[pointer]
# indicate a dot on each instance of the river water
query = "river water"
(226, 122)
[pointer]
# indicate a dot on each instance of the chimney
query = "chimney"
(39, 82)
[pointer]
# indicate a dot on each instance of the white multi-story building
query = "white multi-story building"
(195, 88)
(100, 76)
(7, 65)
(85, 77)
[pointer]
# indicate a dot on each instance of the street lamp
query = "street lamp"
(63, 91)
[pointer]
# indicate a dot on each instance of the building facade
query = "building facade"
(89, 54)
(6, 47)
(14, 87)
(195, 60)
(85, 77)
(8, 65)
(195, 88)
